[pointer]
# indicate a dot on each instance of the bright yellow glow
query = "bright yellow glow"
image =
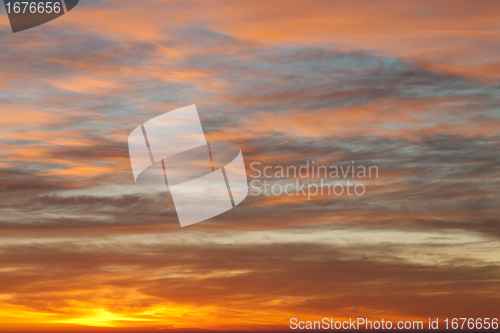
(102, 317)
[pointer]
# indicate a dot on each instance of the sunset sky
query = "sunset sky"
(411, 87)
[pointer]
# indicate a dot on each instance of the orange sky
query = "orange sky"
(411, 87)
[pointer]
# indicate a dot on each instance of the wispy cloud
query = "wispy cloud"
(411, 89)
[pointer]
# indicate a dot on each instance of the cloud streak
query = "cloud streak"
(410, 89)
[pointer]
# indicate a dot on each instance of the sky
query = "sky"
(409, 87)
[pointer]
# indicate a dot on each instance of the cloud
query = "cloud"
(410, 89)
(288, 279)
